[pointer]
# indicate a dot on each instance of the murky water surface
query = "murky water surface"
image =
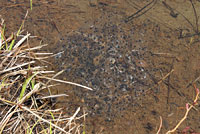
(128, 64)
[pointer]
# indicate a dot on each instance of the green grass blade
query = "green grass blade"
(28, 129)
(83, 129)
(32, 83)
(18, 32)
(52, 115)
(50, 122)
(33, 126)
(84, 125)
(27, 81)
(50, 128)
(11, 44)
(43, 129)
(20, 28)
(2, 37)
(31, 4)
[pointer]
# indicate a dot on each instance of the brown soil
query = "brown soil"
(124, 62)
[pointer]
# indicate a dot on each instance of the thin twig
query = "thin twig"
(160, 125)
(188, 108)
(161, 80)
(180, 122)
(192, 82)
(196, 18)
(135, 15)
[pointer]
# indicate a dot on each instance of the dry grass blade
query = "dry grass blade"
(18, 66)
(29, 111)
(55, 96)
(46, 121)
(54, 76)
(7, 118)
(49, 56)
(34, 48)
(7, 56)
(21, 41)
(67, 82)
(73, 117)
(25, 71)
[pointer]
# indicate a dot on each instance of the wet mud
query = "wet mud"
(141, 67)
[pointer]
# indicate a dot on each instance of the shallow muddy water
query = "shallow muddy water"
(141, 65)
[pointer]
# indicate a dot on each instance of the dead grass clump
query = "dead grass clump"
(23, 108)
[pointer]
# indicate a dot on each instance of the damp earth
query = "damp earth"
(140, 62)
